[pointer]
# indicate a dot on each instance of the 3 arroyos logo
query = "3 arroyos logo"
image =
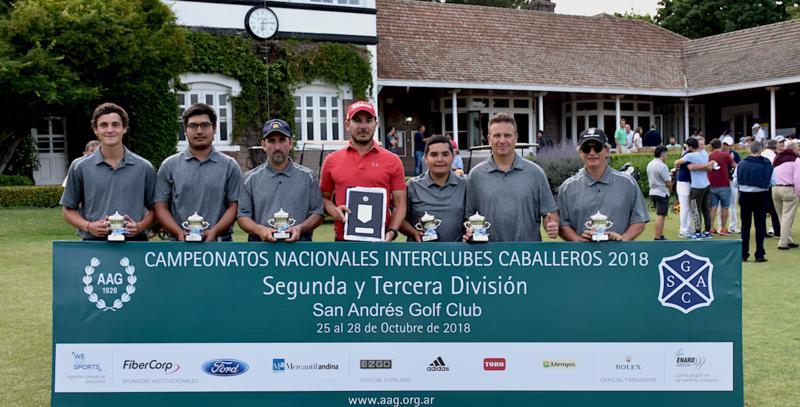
(109, 284)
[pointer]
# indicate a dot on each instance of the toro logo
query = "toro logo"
(225, 367)
(494, 364)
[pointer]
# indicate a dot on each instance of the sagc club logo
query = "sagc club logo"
(685, 281)
(110, 285)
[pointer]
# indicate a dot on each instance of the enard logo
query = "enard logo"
(110, 285)
(225, 367)
(686, 281)
(683, 360)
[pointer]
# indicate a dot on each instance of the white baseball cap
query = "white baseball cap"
(727, 140)
(755, 126)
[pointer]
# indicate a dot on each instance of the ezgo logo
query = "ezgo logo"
(166, 367)
(494, 364)
(225, 367)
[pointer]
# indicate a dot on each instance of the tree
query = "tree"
(702, 18)
(63, 57)
(632, 15)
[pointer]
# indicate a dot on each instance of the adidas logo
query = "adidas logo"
(438, 365)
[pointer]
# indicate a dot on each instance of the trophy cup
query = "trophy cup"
(280, 222)
(428, 224)
(479, 226)
(116, 223)
(598, 224)
(195, 225)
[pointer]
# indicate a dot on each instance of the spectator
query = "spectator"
(733, 222)
(652, 138)
(660, 181)
(753, 177)
(673, 143)
(775, 223)
(759, 134)
(621, 137)
(391, 140)
(683, 190)
(419, 148)
(720, 185)
(700, 197)
(786, 191)
(636, 140)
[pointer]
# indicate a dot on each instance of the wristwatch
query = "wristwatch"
(396, 233)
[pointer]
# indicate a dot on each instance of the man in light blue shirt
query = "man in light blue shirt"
(700, 195)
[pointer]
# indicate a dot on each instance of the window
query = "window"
(318, 113)
(216, 91)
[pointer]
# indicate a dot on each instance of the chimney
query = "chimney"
(542, 5)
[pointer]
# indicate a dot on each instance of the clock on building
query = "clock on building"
(261, 23)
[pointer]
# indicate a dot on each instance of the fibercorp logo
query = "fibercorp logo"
(225, 367)
(166, 367)
(494, 364)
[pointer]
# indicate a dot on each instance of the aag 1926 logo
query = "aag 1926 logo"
(115, 287)
(686, 281)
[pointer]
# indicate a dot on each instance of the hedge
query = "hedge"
(37, 197)
(15, 181)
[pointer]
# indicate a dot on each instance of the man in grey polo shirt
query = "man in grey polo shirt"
(438, 192)
(510, 191)
(111, 179)
(198, 180)
(279, 184)
(599, 188)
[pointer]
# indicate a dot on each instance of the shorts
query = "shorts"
(661, 203)
(721, 195)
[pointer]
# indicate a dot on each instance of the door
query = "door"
(51, 144)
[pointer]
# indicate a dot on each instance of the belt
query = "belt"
(784, 185)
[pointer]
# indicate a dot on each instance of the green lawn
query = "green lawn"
(771, 311)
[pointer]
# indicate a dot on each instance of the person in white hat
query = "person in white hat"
(758, 133)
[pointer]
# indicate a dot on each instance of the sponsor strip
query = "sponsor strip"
(516, 366)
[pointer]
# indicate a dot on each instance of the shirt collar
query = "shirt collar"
(605, 179)
(97, 157)
(373, 147)
(516, 165)
(213, 156)
(288, 171)
(427, 181)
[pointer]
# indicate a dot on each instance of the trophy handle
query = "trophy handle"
(291, 222)
(467, 225)
(488, 225)
(271, 223)
(437, 222)
(609, 224)
(206, 225)
(588, 224)
(185, 225)
(418, 226)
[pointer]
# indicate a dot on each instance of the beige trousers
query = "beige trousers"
(786, 206)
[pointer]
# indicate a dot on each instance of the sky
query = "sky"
(592, 7)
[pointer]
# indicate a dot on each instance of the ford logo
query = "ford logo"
(225, 367)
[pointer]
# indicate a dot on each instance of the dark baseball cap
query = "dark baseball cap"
(592, 133)
(276, 126)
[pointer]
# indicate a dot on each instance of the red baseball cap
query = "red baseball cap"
(360, 106)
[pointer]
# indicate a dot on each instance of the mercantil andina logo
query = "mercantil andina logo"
(111, 287)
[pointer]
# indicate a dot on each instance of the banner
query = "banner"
(443, 324)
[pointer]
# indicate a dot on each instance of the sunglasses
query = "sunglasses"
(586, 147)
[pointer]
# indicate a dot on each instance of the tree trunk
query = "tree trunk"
(7, 150)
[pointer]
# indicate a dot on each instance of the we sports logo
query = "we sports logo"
(494, 364)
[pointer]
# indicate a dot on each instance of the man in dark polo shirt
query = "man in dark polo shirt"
(279, 184)
(438, 192)
(510, 191)
(363, 163)
(111, 179)
(198, 180)
(600, 188)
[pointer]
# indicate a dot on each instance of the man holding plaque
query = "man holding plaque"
(279, 190)
(438, 193)
(198, 183)
(110, 180)
(363, 163)
(600, 203)
(510, 192)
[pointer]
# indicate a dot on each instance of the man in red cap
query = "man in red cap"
(363, 163)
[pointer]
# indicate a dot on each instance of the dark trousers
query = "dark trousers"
(774, 216)
(753, 208)
(700, 198)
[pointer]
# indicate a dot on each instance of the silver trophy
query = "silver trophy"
(195, 225)
(479, 226)
(427, 225)
(599, 224)
(281, 222)
(116, 223)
